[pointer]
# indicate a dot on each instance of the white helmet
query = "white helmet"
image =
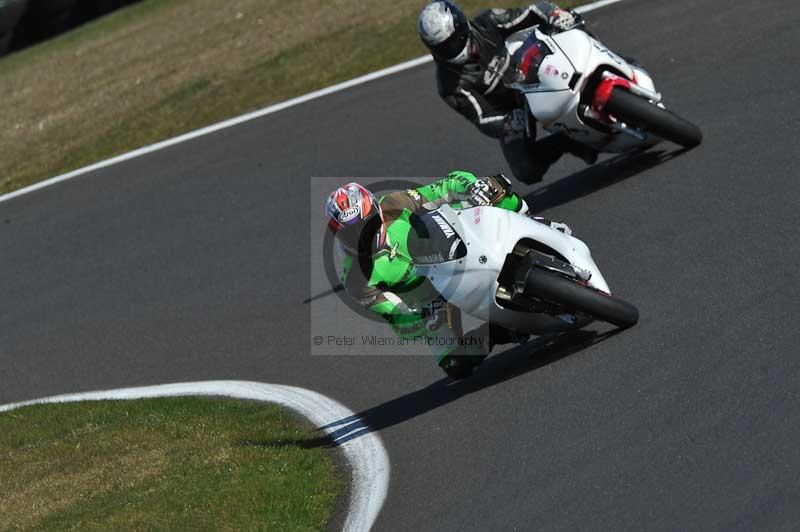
(445, 31)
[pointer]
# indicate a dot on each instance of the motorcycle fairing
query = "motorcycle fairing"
(433, 240)
(489, 235)
(564, 75)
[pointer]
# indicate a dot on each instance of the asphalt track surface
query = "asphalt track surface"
(195, 263)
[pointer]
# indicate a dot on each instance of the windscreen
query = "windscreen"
(523, 70)
(432, 240)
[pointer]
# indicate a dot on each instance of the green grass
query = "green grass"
(163, 67)
(162, 464)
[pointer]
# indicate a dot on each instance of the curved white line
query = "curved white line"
(250, 116)
(365, 453)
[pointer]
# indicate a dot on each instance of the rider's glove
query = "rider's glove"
(562, 20)
(488, 190)
(484, 191)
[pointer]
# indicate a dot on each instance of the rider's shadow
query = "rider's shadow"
(495, 370)
(597, 177)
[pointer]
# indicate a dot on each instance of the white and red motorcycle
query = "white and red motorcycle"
(573, 84)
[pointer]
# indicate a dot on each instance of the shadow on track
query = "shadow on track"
(495, 370)
(328, 292)
(597, 177)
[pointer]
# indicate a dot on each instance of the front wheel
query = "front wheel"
(636, 111)
(576, 297)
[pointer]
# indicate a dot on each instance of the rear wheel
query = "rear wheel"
(636, 111)
(576, 297)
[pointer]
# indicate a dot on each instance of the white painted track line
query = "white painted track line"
(595, 5)
(365, 453)
(247, 117)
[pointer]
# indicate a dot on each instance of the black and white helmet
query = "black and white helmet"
(445, 31)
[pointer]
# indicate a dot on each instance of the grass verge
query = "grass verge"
(162, 464)
(163, 67)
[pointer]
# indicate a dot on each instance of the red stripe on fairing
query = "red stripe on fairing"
(603, 92)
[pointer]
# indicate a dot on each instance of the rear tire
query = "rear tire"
(555, 288)
(636, 111)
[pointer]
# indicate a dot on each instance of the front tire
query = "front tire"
(575, 297)
(636, 111)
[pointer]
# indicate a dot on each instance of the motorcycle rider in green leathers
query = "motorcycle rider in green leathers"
(379, 269)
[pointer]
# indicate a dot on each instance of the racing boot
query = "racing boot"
(518, 142)
(473, 348)
(530, 160)
(457, 366)
(477, 344)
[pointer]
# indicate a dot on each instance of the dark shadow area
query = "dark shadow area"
(336, 289)
(597, 177)
(29, 22)
(309, 443)
(495, 370)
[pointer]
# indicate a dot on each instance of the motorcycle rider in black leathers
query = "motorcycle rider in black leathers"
(471, 59)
